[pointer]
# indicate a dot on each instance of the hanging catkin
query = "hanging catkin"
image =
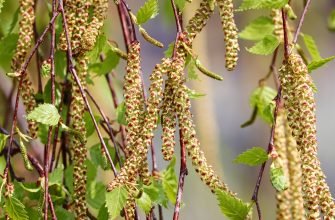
(78, 147)
(26, 36)
(278, 24)
(226, 10)
(297, 91)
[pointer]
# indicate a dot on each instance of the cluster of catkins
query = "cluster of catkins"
(83, 30)
(172, 103)
(299, 103)
(289, 201)
(26, 36)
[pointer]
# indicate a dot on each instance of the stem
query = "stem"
(82, 92)
(286, 45)
(270, 148)
(47, 197)
(306, 5)
(183, 172)
(38, 61)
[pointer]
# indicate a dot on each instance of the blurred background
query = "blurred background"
(225, 107)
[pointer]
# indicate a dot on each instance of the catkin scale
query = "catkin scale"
(297, 91)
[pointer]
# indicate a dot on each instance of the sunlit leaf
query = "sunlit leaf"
(148, 11)
(266, 46)
(252, 157)
(116, 200)
(46, 114)
(258, 29)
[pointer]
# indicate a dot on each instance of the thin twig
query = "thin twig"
(286, 44)
(38, 61)
(110, 130)
(82, 92)
(295, 39)
(183, 172)
(47, 146)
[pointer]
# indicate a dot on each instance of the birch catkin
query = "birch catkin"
(78, 147)
(226, 10)
(299, 100)
(26, 36)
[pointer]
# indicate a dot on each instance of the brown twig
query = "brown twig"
(47, 146)
(286, 44)
(183, 172)
(82, 92)
(301, 21)
(110, 130)
(38, 61)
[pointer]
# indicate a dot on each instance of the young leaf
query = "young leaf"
(278, 179)
(169, 181)
(144, 202)
(311, 47)
(192, 94)
(252, 157)
(121, 114)
(268, 112)
(315, 64)
(258, 29)
(89, 125)
(103, 213)
(95, 194)
(15, 209)
(266, 46)
(106, 66)
(46, 114)
(331, 20)
(180, 4)
(3, 139)
(260, 4)
(168, 52)
(156, 193)
(116, 200)
(191, 70)
(47, 93)
(148, 11)
(261, 98)
(232, 207)
(96, 155)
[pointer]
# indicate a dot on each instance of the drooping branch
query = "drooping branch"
(301, 21)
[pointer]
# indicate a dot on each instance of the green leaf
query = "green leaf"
(15, 209)
(191, 70)
(103, 213)
(268, 112)
(1, 4)
(64, 214)
(60, 63)
(89, 125)
(261, 98)
(96, 155)
(315, 64)
(95, 194)
(47, 93)
(148, 11)
(311, 47)
(192, 94)
(92, 171)
(69, 178)
(121, 114)
(278, 179)
(14, 21)
(262, 4)
(156, 193)
(258, 29)
(331, 20)
(110, 62)
(7, 49)
(29, 187)
(116, 200)
(144, 202)
(266, 46)
(232, 207)
(46, 114)
(180, 4)
(169, 181)
(3, 140)
(100, 45)
(169, 51)
(56, 176)
(252, 157)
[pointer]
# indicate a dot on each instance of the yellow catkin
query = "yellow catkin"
(199, 20)
(168, 123)
(26, 36)
(78, 147)
(70, 14)
(280, 143)
(226, 10)
(297, 91)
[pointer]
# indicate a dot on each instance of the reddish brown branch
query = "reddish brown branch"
(286, 44)
(306, 5)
